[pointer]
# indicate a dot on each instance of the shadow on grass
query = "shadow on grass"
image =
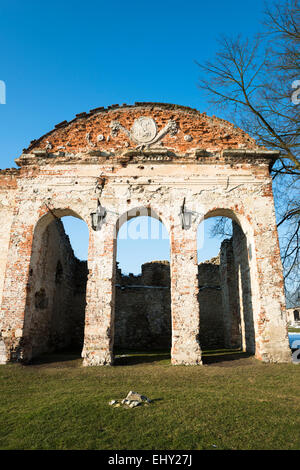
(130, 358)
(224, 357)
(55, 357)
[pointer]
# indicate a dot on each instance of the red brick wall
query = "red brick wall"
(206, 132)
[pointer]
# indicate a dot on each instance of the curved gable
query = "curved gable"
(143, 125)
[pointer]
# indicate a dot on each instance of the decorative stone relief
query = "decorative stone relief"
(88, 139)
(144, 131)
(48, 146)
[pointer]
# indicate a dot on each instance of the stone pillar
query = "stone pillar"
(229, 289)
(100, 298)
(6, 218)
(245, 288)
(271, 335)
(184, 301)
(14, 346)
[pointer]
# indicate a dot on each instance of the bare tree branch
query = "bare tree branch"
(253, 80)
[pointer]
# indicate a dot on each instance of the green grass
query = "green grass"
(238, 403)
(294, 330)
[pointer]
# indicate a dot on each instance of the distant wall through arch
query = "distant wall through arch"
(55, 304)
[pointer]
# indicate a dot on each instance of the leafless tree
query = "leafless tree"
(257, 83)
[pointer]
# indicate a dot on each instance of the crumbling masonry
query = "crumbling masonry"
(147, 159)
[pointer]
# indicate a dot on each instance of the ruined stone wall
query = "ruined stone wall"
(212, 166)
(78, 303)
(210, 304)
(143, 309)
(8, 188)
(244, 300)
(293, 316)
(56, 292)
(230, 295)
(95, 130)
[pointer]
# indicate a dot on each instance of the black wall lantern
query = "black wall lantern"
(185, 216)
(98, 217)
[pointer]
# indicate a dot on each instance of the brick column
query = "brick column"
(99, 316)
(271, 336)
(229, 290)
(184, 302)
(16, 285)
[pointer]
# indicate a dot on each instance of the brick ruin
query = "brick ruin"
(293, 316)
(143, 309)
(143, 303)
(166, 161)
(56, 307)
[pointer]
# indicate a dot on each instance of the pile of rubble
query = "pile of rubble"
(132, 400)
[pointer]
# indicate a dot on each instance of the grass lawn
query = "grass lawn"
(233, 402)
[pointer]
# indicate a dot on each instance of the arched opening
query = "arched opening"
(296, 315)
(56, 297)
(142, 324)
(225, 291)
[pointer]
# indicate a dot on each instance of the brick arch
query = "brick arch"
(52, 265)
(142, 211)
(240, 250)
(147, 323)
(48, 215)
(237, 216)
(231, 213)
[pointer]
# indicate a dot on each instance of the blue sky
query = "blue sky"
(61, 58)
(141, 240)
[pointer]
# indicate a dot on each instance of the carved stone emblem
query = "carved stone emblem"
(144, 131)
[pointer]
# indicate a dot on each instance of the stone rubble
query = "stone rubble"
(132, 400)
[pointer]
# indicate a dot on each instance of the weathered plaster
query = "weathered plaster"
(219, 171)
